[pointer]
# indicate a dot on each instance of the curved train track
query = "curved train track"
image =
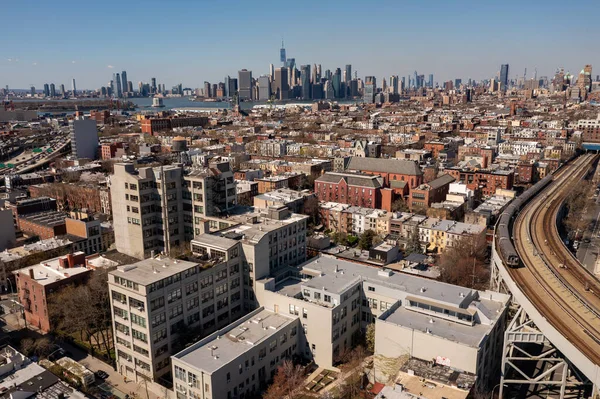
(561, 289)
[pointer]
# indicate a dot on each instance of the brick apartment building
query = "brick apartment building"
(35, 283)
(484, 181)
(43, 224)
(427, 193)
(350, 188)
(109, 150)
(398, 174)
(153, 125)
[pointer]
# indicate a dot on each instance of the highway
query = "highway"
(552, 280)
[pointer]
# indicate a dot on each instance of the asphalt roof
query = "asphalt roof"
(399, 166)
(351, 178)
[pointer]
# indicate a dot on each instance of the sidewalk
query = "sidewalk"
(114, 378)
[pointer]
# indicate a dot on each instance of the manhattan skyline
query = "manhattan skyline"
(190, 43)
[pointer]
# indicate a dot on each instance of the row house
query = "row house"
(350, 188)
(483, 180)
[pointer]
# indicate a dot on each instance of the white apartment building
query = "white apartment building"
(147, 205)
(158, 209)
(519, 147)
(237, 361)
(273, 243)
(334, 299)
(156, 299)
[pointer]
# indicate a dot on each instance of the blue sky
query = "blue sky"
(190, 41)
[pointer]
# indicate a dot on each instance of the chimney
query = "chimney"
(71, 260)
(31, 274)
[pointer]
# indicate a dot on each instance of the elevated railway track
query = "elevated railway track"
(559, 298)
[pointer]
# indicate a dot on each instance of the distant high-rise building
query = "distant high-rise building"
(46, 90)
(62, 90)
(153, 86)
(584, 81)
(318, 70)
(74, 87)
(117, 86)
(213, 89)
(264, 88)
(370, 89)
(226, 81)
(328, 90)
(245, 81)
(336, 83)
(384, 85)
(207, 90)
(503, 77)
(124, 82)
(305, 76)
(52, 90)
(430, 84)
(281, 88)
(327, 74)
(317, 91)
(457, 83)
(271, 72)
(348, 73)
(282, 57)
(353, 88)
(32, 91)
(416, 80)
(394, 84)
(232, 87)
(129, 87)
(402, 83)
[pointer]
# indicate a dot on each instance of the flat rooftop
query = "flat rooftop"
(338, 275)
(151, 270)
(224, 346)
(50, 271)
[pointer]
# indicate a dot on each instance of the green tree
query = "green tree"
(365, 240)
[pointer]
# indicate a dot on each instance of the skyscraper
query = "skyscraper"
(430, 80)
(403, 83)
(74, 87)
(503, 77)
(282, 56)
(264, 88)
(33, 90)
(52, 90)
(153, 85)
(207, 90)
(62, 90)
(271, 72)
(370, 88)
(245, 81)
(281, 88)
(416, 81)
(124, 82)
(232, 86)
(117, 86)
(46, 90)
(336, 81)
(348, 73)
(318, 69)
(305, 76)
(394, 84)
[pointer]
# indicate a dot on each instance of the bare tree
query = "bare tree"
(287, 382)
(465, 263)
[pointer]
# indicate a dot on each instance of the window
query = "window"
(139, 305)
(139, 335)
(175, 311)
(121, 328)
(159, 335)
(141, 351)
(304, 313)
(139, 320)
(174, 295)
(157, 303)
(179, 373)
(371, 288)
(159, 319)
